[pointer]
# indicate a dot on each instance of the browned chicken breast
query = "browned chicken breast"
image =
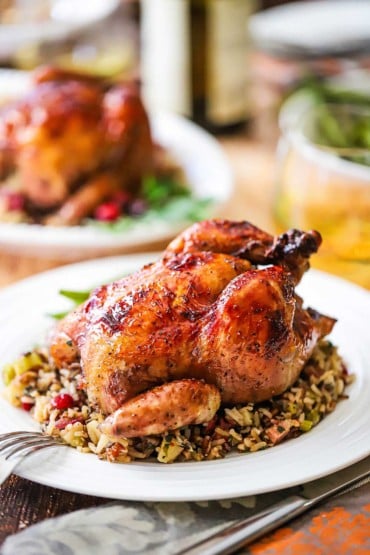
(71, 131)
(163, 347)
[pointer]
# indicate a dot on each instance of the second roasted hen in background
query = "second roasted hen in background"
(72, 141)
(162, 348)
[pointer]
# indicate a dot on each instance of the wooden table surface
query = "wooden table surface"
(23, 502)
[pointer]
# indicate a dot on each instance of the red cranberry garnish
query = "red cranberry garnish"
(27, 406)
(14, 201)
(107, 212)
(62, 401)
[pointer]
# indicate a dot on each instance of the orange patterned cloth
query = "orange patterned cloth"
(339, 527)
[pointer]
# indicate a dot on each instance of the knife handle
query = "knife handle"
(245, 531)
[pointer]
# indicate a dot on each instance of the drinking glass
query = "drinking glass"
(323, 183)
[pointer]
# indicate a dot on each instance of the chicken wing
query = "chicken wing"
(292, 249)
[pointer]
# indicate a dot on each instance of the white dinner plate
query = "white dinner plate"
(208, 173)
(342, 438)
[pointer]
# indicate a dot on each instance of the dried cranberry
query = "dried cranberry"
(14, 201)
(63, 422)
(62, 401)
(224, 424)
(211, 425)
(137, 207)
(107, 212)
(122, 199)
(27, 406)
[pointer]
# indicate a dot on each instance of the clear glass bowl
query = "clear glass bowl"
(323, 183)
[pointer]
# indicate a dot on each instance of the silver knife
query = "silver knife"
(250, 529)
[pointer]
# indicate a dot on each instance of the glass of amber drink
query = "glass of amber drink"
(323, 183)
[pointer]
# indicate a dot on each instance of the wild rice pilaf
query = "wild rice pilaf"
(56, 399)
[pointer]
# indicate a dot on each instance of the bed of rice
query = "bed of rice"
(33, 382)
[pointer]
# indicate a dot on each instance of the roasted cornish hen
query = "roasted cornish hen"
(72, 142)
(204, 325)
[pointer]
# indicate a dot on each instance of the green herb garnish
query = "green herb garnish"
(167, 200)
(158, 191)
(77, 297)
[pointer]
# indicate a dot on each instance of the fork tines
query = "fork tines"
(14, 444)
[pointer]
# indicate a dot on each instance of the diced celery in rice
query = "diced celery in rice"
(169, 450)
(306, 425)
(21, 365)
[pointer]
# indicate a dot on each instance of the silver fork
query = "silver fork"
(15, 446)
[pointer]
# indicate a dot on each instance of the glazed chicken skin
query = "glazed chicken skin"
(74, 138)
(164, 347)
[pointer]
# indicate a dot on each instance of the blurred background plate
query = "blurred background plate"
(50, 20)
(207, 171)
(313, 28)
